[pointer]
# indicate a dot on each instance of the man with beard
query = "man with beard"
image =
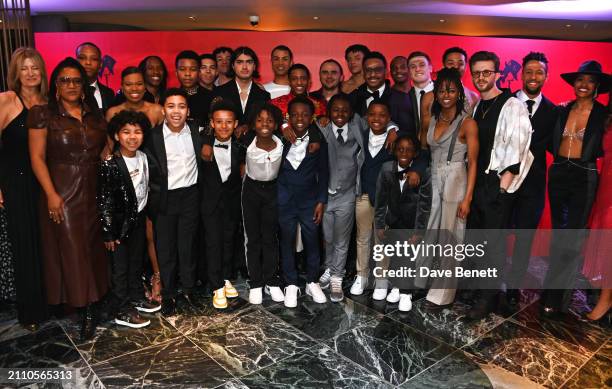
(90, 57)
(282, 59)
(399, 74)
(208, 71)
(223, 56)
(504, 159)
(529, 201)
(187, 64)
(420, 69)
(354, 55)
(330, 76)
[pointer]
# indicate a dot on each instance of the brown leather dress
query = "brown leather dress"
(75, 260)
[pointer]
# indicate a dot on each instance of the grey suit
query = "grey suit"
(345, 161)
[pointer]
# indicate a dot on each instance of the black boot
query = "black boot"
(88, 322)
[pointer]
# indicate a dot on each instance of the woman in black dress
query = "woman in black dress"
(18, 186)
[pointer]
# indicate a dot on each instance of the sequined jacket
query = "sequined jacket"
(116, 199)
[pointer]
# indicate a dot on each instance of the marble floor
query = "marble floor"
(358, 343)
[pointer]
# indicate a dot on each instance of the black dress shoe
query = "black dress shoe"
(432, 307)
(549, 312)
(168, 307)
(482, 308)
(513, 296)
(88, 322)
(189, 300)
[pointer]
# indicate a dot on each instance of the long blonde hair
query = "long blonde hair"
(17, 59)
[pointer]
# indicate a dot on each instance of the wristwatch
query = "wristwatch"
(502, 191)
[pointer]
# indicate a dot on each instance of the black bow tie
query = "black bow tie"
(374, 94)
(222, 146)
(400, 174)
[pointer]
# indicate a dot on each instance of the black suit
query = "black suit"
(415, 108)
(528, 202)
(220, 210)
(108, 97)
(174, 214)
(199, 105)
(572, 186)
(229, 91)
(400, 106)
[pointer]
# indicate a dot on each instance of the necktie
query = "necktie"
(374, 94)
(421, 93)
(339, 137)
(222, 146)
(530, 104)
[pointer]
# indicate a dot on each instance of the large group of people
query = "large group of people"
(127, 202)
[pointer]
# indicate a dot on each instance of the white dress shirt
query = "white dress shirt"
(277, 90)
(297, 151)
(376, 142)
(181, 158)
(243, 103)
(428, 88)
(380, 93)
(223, 157)
(97, 94)
(344, 133)
(138, 168)
(262, 165)
(523, 97)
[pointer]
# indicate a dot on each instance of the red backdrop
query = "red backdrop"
(311, 48)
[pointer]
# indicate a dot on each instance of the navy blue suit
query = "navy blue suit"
(299, 190)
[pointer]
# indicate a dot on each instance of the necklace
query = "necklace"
(486, 111)
(445, 120)
(192, 91)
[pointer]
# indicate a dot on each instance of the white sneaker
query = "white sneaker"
(314, 289)
(359, 285)
(324, 279)
(291, 295)
(255, 296)
(405, 302)
(276, 293)
(379, 294)
(393, 296)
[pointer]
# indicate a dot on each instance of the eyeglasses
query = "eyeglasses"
(484, 73)
(378, 69)
(76, 81)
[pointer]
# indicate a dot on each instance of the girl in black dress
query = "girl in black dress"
(19, 188)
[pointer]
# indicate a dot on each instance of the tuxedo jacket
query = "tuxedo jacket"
(306, 185)
(155, 148)
(219, 193)
(400, 106)
(116, 198)
(415, 108)
(592, 147)
(108, 97)
(229, 91)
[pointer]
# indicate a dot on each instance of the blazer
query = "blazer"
(229, 91)
(405, 209)
(108, 97)
(154, 147)
(217, 192)
(116, 199)
(593, 135)
(400, 105)
(307, 185)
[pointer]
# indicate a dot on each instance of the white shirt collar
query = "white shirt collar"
(219, 142)
(428, 88)
(523, 97)
(248, 89)
(168, 132)
(380, 90)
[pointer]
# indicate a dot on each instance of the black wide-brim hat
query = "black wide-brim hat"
(593, 68)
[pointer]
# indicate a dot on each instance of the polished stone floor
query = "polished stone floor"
(358, 343)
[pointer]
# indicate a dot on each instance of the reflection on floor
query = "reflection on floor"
(358, 343)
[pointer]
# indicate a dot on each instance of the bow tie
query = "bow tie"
(374, 94)
(222, 146)
(400, 174)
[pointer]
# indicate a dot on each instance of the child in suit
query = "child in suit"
(122, 198)
(302, 194)
(220, 203)
(400, 206)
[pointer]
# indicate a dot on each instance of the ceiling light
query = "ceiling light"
(568, 25)
(442, 20)
(193, 18)
(315, 17)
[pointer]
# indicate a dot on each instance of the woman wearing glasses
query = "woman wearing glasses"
(66, 138)
(19, 190)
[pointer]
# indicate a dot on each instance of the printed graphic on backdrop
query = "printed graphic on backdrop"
(510, 75)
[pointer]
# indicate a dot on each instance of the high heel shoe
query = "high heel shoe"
(88, 322)
(605, 320)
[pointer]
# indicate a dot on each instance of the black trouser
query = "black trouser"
(175, 232)
(491, 212)
(127, 265)
(260, 220)
(527, 209)
(572, 186)
(220, 230)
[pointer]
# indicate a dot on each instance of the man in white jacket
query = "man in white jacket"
(504, 134)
